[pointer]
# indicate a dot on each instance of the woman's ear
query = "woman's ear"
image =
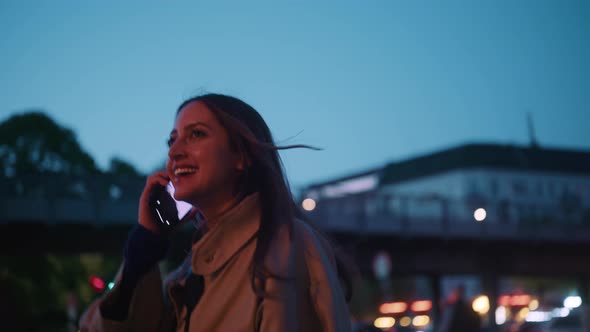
(243, 162)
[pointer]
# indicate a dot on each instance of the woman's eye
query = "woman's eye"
(198, 133)
(192, 135)
(170, 141)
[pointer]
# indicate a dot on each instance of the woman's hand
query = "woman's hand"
(146, 219)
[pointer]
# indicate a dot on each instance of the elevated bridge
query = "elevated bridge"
(73, 215)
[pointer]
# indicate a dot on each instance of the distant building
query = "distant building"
(514, 185)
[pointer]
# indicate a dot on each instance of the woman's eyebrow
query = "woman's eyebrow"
(191, 125)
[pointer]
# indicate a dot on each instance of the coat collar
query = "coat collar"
(234, 229)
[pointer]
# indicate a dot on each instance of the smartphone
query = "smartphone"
(167, 211)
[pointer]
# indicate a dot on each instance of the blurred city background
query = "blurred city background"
(455, 170)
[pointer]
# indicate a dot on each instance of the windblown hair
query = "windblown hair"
(250, 136)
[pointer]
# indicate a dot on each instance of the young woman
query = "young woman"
(255, 264)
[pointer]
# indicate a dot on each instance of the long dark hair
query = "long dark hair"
(250, 136)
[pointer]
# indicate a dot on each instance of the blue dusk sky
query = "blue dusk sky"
(368, 81)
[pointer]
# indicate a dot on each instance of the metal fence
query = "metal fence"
(104, 200)
(99, 199)
(429, 216)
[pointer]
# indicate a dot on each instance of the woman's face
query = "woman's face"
(201, 163)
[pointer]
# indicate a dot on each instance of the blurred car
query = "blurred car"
(369, 327)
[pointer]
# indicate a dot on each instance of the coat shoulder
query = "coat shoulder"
(315, 245)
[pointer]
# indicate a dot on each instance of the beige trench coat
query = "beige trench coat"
(223, 256)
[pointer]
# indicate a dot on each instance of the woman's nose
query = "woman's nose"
(176, 150)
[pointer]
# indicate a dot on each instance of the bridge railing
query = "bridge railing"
(104, 200)
(99, 199)
(436, 217)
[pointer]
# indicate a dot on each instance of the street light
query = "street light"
(480, 214)
(481, 305)
(384, 322)
(308, 204)
(572, 302)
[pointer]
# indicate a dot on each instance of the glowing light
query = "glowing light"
(97, 284)
(481, 304)
(534, 305)
(572, 302)
(405, 321)
(421, 306)
(480, 214)
(421, 321)
(393, 308)
(501, 315)
(520, 300)
(384, 322)
(111, 284)
(538, 316)
(308, 204)
(504, 300)
(522, 314)
(560, 312)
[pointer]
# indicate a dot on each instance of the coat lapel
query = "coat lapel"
(234, 230)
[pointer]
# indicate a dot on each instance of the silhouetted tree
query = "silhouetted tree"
(119, 166)
(32, 143)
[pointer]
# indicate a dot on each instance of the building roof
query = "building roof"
(495, 156)
(374, 171)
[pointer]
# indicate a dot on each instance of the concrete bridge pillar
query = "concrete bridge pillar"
(435, 285)
(490, 288)
(584, 289)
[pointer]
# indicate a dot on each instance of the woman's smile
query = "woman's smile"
(182, 171)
